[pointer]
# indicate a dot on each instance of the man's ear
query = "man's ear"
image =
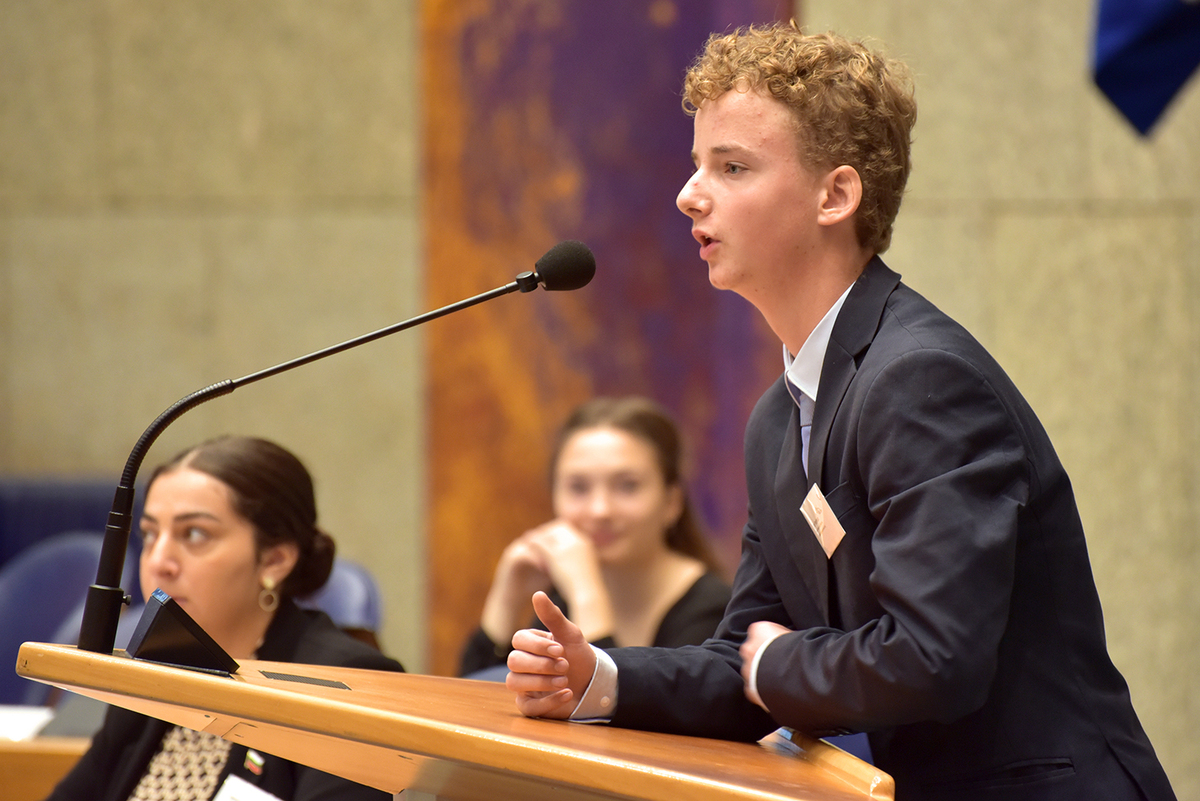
(841, 192)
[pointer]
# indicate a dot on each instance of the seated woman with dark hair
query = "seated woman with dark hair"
(229, 530)
(625, 552)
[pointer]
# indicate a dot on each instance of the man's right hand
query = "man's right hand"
(549, 670)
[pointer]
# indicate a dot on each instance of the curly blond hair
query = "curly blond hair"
(851, 105)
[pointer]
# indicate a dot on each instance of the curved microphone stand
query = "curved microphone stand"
(568, 265)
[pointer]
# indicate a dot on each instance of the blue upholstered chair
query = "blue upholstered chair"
(351, 597)
(35, 508)
(40, 588)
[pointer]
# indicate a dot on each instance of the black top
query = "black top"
(691, 621)
(125, 744)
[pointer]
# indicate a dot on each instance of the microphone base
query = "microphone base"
(101, 613)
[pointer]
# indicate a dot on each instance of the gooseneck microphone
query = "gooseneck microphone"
(566, 266)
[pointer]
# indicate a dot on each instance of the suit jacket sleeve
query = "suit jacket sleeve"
(697, 690)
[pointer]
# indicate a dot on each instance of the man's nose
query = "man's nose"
(690, 199)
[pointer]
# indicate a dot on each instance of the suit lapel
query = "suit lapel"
(852, 333)
(790, 489)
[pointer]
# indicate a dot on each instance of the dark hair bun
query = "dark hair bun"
(312, 568)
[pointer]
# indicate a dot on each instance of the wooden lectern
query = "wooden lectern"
(426, 737)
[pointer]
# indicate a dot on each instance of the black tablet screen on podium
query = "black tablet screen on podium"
(167, 634)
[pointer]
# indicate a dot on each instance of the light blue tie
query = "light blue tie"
(806, 417)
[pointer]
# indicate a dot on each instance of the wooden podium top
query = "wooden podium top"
(450, 738)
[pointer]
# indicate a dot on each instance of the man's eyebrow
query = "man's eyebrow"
(722, 150)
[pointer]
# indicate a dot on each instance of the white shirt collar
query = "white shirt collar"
(804, 370)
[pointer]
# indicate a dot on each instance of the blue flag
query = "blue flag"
(1145, 51)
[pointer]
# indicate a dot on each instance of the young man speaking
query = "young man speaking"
(914, 565)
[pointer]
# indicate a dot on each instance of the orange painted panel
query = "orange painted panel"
(544, 121)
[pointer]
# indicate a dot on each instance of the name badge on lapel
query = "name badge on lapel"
(822, 521)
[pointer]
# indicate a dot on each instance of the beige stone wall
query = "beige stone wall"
(194, 191)
(1069, 245)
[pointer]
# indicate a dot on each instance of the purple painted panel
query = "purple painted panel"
(607, 76)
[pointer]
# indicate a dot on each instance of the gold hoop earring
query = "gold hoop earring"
(268, 598)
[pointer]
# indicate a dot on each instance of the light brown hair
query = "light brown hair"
(851, 106)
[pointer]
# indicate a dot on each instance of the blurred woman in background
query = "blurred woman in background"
(624, 552)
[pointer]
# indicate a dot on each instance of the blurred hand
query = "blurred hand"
(574, 569)
(554, 555)
(521, 572)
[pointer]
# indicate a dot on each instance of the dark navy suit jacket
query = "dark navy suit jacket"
(957, 622)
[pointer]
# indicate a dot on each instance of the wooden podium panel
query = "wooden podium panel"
(29, 769)
(450, 738)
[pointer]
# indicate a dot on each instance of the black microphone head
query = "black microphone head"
(567, 265)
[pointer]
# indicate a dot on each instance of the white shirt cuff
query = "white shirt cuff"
(752, 684)
(600, 698)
